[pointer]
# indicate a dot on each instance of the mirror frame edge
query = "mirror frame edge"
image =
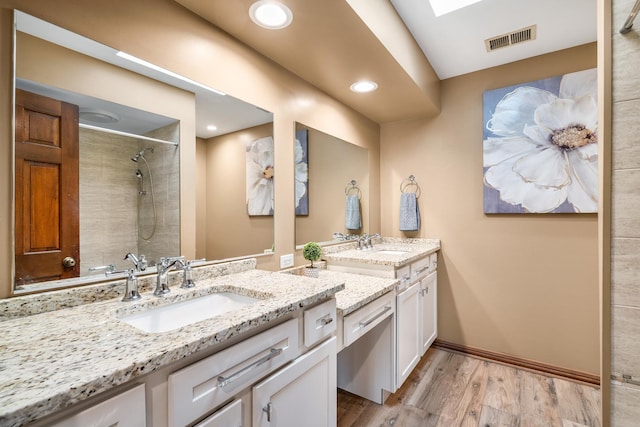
(7, 123)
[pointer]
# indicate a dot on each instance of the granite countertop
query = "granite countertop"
(358, 290)
(54, 359)
(382, 253)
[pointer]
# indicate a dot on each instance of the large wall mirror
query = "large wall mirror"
(337, 174)
(120, 191)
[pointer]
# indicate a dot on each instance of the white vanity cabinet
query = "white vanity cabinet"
(284, 376)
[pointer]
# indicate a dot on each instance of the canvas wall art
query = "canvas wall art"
(302, 172)
(260, 173)
(540, 146)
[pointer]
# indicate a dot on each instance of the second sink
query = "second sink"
(179, 314)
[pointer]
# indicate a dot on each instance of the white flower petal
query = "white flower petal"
(514, 190)
(543, 200)
(545, 168)
(301, 181)
(587, 152)
(583, 192)
(538, 134)
(515, 110)
(564, 113)
(579, 84)
(299, 153)
(496, 150)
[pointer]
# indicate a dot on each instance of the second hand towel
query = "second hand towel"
(353, 221)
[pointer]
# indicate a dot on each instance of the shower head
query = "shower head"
(139, 174)
(139, 155)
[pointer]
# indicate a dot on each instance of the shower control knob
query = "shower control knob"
(69, 262)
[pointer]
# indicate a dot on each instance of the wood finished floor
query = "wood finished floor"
(448, 389)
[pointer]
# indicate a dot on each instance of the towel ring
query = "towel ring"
(408, 183)
(351, 187)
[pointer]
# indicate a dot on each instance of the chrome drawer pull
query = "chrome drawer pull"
(371, 320)
(223, 381)
(326, 320)
(426, 267)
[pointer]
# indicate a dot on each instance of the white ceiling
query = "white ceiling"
(454, 43)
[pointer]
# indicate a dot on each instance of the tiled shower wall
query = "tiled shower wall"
(111, 209)
(625, 233)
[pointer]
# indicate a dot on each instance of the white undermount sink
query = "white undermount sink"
(183, 313)
(391, 252)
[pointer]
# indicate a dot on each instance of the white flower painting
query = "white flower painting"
(302, 172)
(540, 147)
(260, 174)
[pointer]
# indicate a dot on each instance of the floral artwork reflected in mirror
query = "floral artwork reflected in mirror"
(540, 146)
(302, 172)
(260, 175)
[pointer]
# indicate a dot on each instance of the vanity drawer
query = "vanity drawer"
(404, 275)
(126, 410)
(433, 262)
(420, 268)
(366, 318)
(319, 322)
(201, 387)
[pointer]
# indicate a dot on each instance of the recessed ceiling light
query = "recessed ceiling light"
(212, 127)
(441, 7)
(98, 116)
(364, 86)
(270, 14)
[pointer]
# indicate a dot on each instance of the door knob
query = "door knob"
(69, 262)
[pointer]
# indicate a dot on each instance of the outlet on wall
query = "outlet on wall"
(286, 261)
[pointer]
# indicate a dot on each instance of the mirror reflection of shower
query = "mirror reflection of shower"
(142, 192)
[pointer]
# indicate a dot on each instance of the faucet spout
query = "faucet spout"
(164, 266)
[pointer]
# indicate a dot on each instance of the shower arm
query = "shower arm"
(632, 15)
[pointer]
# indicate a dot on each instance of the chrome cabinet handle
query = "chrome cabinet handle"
(326, 320)
(372, 319)
(426, 267)
(223, 381)
(267, 409)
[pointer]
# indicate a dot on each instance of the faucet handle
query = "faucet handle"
(107, 268)
(131, 287)
(187, 280)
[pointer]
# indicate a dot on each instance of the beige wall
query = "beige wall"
(625, 220)
(523, 285)
(164, 33)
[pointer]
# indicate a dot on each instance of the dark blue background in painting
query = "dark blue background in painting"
(303, 206)
(490, 98)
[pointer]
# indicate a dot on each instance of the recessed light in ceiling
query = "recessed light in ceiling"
(270, 14)
(97, 116)
(441, 7)
(212, 127)
(363, 86)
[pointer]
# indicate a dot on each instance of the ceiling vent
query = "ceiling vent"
(504, 40)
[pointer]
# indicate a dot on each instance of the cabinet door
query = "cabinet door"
(429, 311)
(408, 332)
(304, 393)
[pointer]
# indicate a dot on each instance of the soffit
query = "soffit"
(330, 46)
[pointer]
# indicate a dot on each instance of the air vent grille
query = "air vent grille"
(514, 37)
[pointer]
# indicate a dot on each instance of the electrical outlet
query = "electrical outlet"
(286, 261)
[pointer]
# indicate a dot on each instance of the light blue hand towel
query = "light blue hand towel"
(353, 221)
(409, 212)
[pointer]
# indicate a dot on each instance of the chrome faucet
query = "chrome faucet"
(368, 240)
(362, 239)
(187, 280)
(163, 267)
(139, 263)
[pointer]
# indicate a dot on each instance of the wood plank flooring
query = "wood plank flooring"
(449, 389)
